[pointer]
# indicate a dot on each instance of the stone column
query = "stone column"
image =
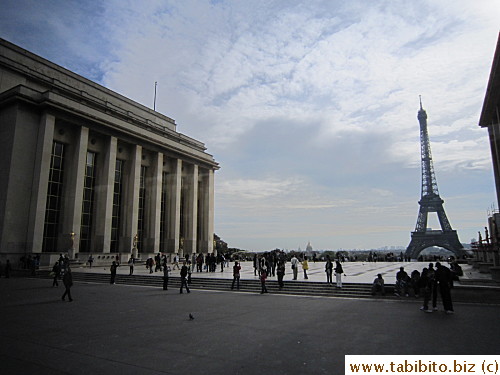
(154, 186)
(207, 204)
(130, 213)
(72, 217)
(40, 183)
(190, 213)
(104, 197)
(174, 206)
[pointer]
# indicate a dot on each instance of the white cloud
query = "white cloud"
(309, 106)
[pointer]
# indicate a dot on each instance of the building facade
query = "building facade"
(85, 170)
(488, 248)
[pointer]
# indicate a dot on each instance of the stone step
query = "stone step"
(295, 287)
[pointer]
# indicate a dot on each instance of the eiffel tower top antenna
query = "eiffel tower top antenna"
(420, 97)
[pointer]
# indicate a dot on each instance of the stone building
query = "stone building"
(488, 252)
(85, 170)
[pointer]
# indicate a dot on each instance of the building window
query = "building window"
(54, 198)
(163, 212)
(117, 202)
(88, 203)
(142, 211)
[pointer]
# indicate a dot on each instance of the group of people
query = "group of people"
(329, 269)
(62, 270)
(428, 283)
(433, 280)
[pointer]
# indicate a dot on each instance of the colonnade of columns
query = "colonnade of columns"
(188, 208)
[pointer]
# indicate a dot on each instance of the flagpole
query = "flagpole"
(154, 102)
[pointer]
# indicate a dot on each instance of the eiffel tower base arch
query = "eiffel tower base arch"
(445, 239)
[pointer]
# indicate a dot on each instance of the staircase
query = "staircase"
(460, 293)
(349, 290)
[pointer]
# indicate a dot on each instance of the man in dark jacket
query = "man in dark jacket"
(184, 272)
(68, 283)
(113, 268)
(56, 270)
(443, 279)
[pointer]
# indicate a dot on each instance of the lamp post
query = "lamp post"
(134, 249)
(72, 247)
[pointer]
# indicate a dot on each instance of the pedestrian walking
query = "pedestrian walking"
(56, 271)
(113, 268)
(236, 275)
(90, 260)
(305, 267)
(184, 272)
(329, 270)
(68, 283)
(338, 273)
(176, 262)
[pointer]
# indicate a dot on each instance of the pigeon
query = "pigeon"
(191, 317)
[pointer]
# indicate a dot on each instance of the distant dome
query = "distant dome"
(309, 247)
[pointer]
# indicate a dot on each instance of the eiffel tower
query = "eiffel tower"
(430, 201)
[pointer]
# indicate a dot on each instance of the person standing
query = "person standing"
(305, 267)
(199, 263)
(56, 270)
(236, 275)
(263, 277)
(193, 262)
(443, 279)
(68, 283)
(90, 260)
(184, 272)
(255, 264)
(329, 270)
(425, 286)
(131, 263)
(280, 272)
(166, 270)
(113, 268)
(433, 285)
(295, 266)
(338, 273)
(189, 272)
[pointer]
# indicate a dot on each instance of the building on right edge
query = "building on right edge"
(487, 247)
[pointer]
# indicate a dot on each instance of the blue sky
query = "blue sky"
(310, 107)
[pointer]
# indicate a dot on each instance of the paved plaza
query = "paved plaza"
(121, 329)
